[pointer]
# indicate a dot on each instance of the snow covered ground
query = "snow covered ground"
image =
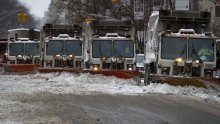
(65, 83)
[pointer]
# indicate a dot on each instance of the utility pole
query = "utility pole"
(148, 5)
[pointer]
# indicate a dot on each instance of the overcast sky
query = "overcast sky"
(37, 7)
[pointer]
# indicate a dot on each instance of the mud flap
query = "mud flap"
(146, 74)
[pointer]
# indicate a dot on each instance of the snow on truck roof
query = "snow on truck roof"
(63, 37)
(189, 33)
(110, 36)
(155, 13)
(119, 37)
(24, 29)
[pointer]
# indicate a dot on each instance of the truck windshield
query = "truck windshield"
(32, 49)
(173, 47)
(101, 48)
(124, 48)
(16, 49)
(54, 47)
(201, 49)
(74, 47)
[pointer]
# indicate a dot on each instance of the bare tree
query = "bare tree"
(76, 11)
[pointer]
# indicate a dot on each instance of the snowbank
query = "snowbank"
(65, 83)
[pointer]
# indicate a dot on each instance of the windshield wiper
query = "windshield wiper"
(100, 51)
(118, 53)
(194, 52)
(182, 52)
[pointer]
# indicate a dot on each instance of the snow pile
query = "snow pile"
(65, 83)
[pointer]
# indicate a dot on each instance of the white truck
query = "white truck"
(110, 46)
(179, 45)
(62, 47)
(23, 51)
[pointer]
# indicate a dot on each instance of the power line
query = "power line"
(11, 13)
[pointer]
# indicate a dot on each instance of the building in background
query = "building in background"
(212, 6)
(182, 5)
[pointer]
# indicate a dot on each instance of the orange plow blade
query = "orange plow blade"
(54, 69)
(187, 81)
(20, 67)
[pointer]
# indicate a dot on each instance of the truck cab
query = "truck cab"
(111, 44)
(181, 44)
(62, 46)
(112, 52)
(23, 46)
(186, 53)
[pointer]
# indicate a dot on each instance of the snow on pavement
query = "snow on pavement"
(65, 83)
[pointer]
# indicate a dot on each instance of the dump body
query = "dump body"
(23, 51)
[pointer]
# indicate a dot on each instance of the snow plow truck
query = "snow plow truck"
(62, 48)
(179, 45)
(110, 48)
(23, 53)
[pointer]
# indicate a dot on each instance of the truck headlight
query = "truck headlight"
(197, 61)
(178, 59)
(130, 67)
(58, 55)
(95, 67)
(71, 56)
